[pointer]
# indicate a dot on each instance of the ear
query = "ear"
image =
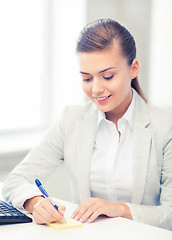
(134, 68)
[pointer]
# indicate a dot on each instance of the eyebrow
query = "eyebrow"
(99, 72)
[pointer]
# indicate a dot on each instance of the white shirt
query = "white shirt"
(111, 164)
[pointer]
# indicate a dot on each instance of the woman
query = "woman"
(117, 148)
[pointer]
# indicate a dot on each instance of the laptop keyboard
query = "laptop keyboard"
(9, 214)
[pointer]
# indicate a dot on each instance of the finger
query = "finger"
(45, 209)
(97, 213)
(75, 213)
(56, 215)
(40, 219)
(43, 215)
(88, 213)
(80, 213)
(61, 209)
(40, 215)
(81, 207)
(84, 207)
(41, 212)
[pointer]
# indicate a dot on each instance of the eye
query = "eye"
(108, 78)
(87, 79)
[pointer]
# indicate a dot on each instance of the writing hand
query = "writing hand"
(43, 211)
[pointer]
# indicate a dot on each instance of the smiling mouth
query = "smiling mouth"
(102, 98)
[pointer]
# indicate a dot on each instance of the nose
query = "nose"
(97, 88)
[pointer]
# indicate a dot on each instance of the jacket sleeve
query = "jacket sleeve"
(39, 163)
(161, 215)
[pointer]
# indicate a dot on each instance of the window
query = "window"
(38, 67)
(160, 86)
(22, 64)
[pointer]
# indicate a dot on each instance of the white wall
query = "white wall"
(149, 21)
(135, 16)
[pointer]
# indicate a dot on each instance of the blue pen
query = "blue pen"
(44, 192)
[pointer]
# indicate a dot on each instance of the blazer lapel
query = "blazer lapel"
(85, 143)
(142, 136)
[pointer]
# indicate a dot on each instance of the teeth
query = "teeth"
(101, 98)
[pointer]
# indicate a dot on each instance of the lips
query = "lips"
(102, 99)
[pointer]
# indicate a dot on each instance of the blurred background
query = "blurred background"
(39, 72)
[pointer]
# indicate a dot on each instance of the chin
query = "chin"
(104, 108)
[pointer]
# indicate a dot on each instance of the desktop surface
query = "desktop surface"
(103, 228)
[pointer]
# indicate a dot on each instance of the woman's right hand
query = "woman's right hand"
(43, 211)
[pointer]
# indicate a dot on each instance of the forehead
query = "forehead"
(93, 62)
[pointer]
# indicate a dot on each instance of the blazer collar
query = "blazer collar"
(141, 115)
(142, 137)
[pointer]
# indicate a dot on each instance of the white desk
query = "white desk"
(103, 228)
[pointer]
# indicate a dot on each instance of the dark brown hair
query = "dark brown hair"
(100, 35)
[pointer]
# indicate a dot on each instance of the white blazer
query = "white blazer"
(72, 139)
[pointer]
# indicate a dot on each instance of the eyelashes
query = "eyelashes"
(106, 78)
(87, 79)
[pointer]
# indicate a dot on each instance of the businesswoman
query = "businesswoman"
(117, 147)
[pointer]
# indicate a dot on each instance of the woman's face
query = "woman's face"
(106, 79)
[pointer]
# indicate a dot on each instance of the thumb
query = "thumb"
(61, 209)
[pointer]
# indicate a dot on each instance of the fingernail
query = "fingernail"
(76, 218)
(62, 212)
(88, 221)
(63, 219)
(81, 220)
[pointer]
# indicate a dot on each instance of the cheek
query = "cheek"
(87, 88)
(121, 84)
(115, 86)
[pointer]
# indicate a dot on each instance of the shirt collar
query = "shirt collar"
(128, 115)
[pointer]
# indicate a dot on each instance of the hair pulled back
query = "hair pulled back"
(99, 35)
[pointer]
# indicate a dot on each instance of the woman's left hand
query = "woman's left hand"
(94, 207)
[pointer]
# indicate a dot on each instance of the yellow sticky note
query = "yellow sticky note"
(69, 223)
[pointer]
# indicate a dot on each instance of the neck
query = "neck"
(119, 111)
